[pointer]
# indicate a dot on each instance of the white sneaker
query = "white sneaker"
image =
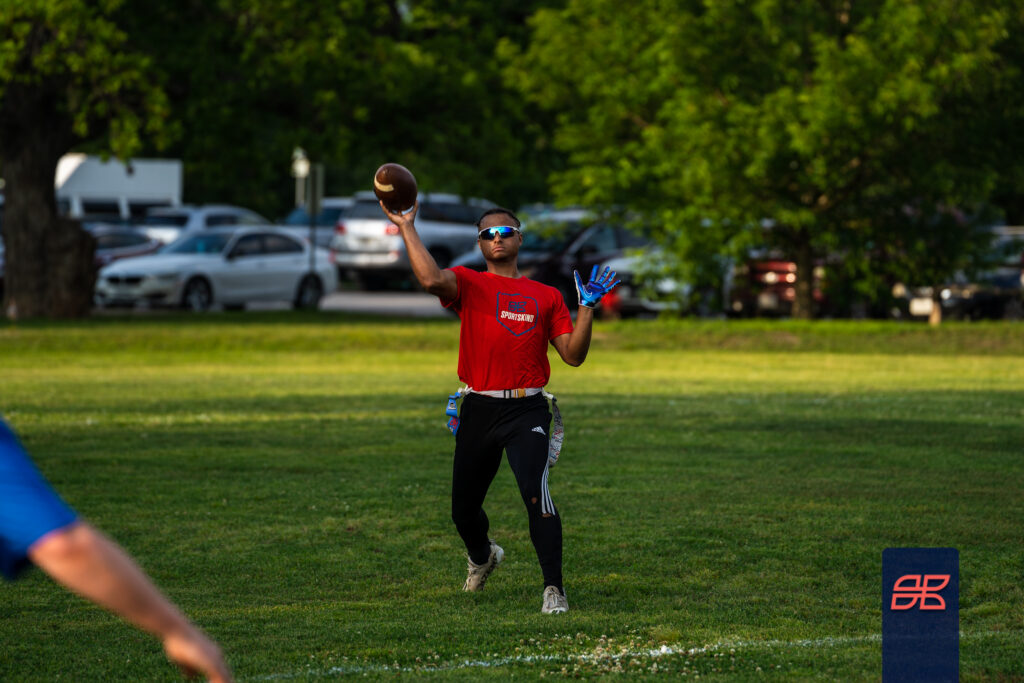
(476, 574)
(554, 601)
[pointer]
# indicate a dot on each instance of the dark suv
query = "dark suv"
(557, 242)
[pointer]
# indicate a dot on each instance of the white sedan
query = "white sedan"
(230, 267)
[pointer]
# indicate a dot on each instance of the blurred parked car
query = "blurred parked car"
(168, 224)
(367, 245)
(767, 287)
(557, 242)
(231, 267)
(994, 294)
(642, 292)
(332, 212)
(115, 242)
(991, 297)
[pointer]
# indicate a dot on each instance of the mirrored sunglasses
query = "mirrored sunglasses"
(503, 231)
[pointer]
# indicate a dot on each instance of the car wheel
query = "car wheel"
(373, 282)
(1013, 310)
(197, 296)
(311, 290)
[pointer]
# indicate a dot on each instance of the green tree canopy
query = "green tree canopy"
(824, 117)
(354, 83)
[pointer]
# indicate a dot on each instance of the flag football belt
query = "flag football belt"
(557, 426)
(509, 393)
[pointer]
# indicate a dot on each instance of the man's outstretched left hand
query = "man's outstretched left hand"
(590, 294)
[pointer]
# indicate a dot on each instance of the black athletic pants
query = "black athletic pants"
(520, 427)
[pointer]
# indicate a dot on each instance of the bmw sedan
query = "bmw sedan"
(229, 267)
(555, 243)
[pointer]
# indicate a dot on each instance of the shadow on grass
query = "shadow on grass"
(955, 419)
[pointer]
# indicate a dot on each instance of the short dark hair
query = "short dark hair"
(497, 209)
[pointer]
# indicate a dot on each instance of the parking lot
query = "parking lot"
(410, 304)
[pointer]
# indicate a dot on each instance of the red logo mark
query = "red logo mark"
(918, 588)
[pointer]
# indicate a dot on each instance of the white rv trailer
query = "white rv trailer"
(90, 188)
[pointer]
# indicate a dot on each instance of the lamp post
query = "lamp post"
(300, 171)
(309, 191)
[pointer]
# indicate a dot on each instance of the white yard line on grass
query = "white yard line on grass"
(663, 651)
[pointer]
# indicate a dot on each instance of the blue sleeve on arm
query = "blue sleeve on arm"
(29, 507)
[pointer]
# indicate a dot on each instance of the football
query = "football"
(395, 185)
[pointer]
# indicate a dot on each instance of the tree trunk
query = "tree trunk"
(935, 315)
(803, 304)
(49, 268)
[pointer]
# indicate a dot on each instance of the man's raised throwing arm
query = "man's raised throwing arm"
(440, 283)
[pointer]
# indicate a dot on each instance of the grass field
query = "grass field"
(726, 490)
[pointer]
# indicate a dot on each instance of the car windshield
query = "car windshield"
(327, 216)
(206, 243)
(548, 237)
(365, 209)
(179, 219)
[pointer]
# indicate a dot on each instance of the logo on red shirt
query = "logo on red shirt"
(517, 313)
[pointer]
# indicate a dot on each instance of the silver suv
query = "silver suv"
(167, 224)
(332, 212)
(367, 246)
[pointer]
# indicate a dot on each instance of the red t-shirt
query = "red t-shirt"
(506, 326)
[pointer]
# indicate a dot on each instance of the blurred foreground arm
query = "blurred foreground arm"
(440, 283)
(87, 562)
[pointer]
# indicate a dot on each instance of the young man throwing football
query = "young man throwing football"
(507, 322)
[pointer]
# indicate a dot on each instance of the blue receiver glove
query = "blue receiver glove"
(590, 294)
